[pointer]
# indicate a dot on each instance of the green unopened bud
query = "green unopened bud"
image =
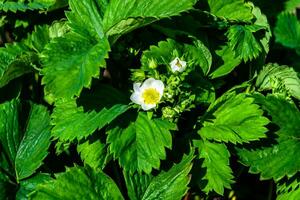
(152, 64)
(138, 75)
(168, 113)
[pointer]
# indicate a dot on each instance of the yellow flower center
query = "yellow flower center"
(178, 64)
(151, 96)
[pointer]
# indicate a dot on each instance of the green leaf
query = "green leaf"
(79, 183)
(94, 153)
(10, 133)
(171, 185)
(243, 42)
(229, 62)
(279, 79)
(136, 184)
(139, 143)
(291, 5)
(287, 30)
(87, 12)
(25, 151)
(15, 61)
(42, 35)
(124, 16)
(231, 9)
(71, 122)
(279, 158)
(234, 118)
(288, 190)
(35, 142)
(70, 63)
(198, 54)
(22, 6)
(216, 161)
(29, 185)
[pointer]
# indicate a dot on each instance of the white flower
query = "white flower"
(178, 65)
(147, 94)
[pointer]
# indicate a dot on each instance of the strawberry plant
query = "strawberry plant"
(149, 99)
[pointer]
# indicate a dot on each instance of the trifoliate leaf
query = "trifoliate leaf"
(124, 16)
(139, 143)
(280, 79)
(280, 158)
(287, 30)
(15, 61)
(228, 63)
(234, 118)
(94, 153)
(70, 63)
(71, 122)
(26, 151)
(35, 143)
(87, 12)
(78, 183)
(27, 186)
(243, 42)
(231, 9)
(171, 185)
(218, 173)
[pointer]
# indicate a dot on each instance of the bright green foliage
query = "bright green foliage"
(171, 185)
(139, 144)
(71, 122)
(25, 151)
(243, 42)
(288, 190)
(231, 9)
(287, 30)
(34, 145)
(14, 62)
(137, 184)
(196, 54)
(94, 153)
(216, 165)
(28, 185)
(124, 16)
(70, 63)
(234, 118)
(291, 5)
(42, 35)
(6, 5)
(85, 18)
(79, 183)
(229, 62)
(281, 158)
(10, 134)
(280, 79)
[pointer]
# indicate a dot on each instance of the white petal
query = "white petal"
(175, 67)
(147, 83)
(148, 106)
(136, 87)
(159, 86)
(136, 98)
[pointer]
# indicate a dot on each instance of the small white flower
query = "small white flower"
(147, 94)
(178, 65)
